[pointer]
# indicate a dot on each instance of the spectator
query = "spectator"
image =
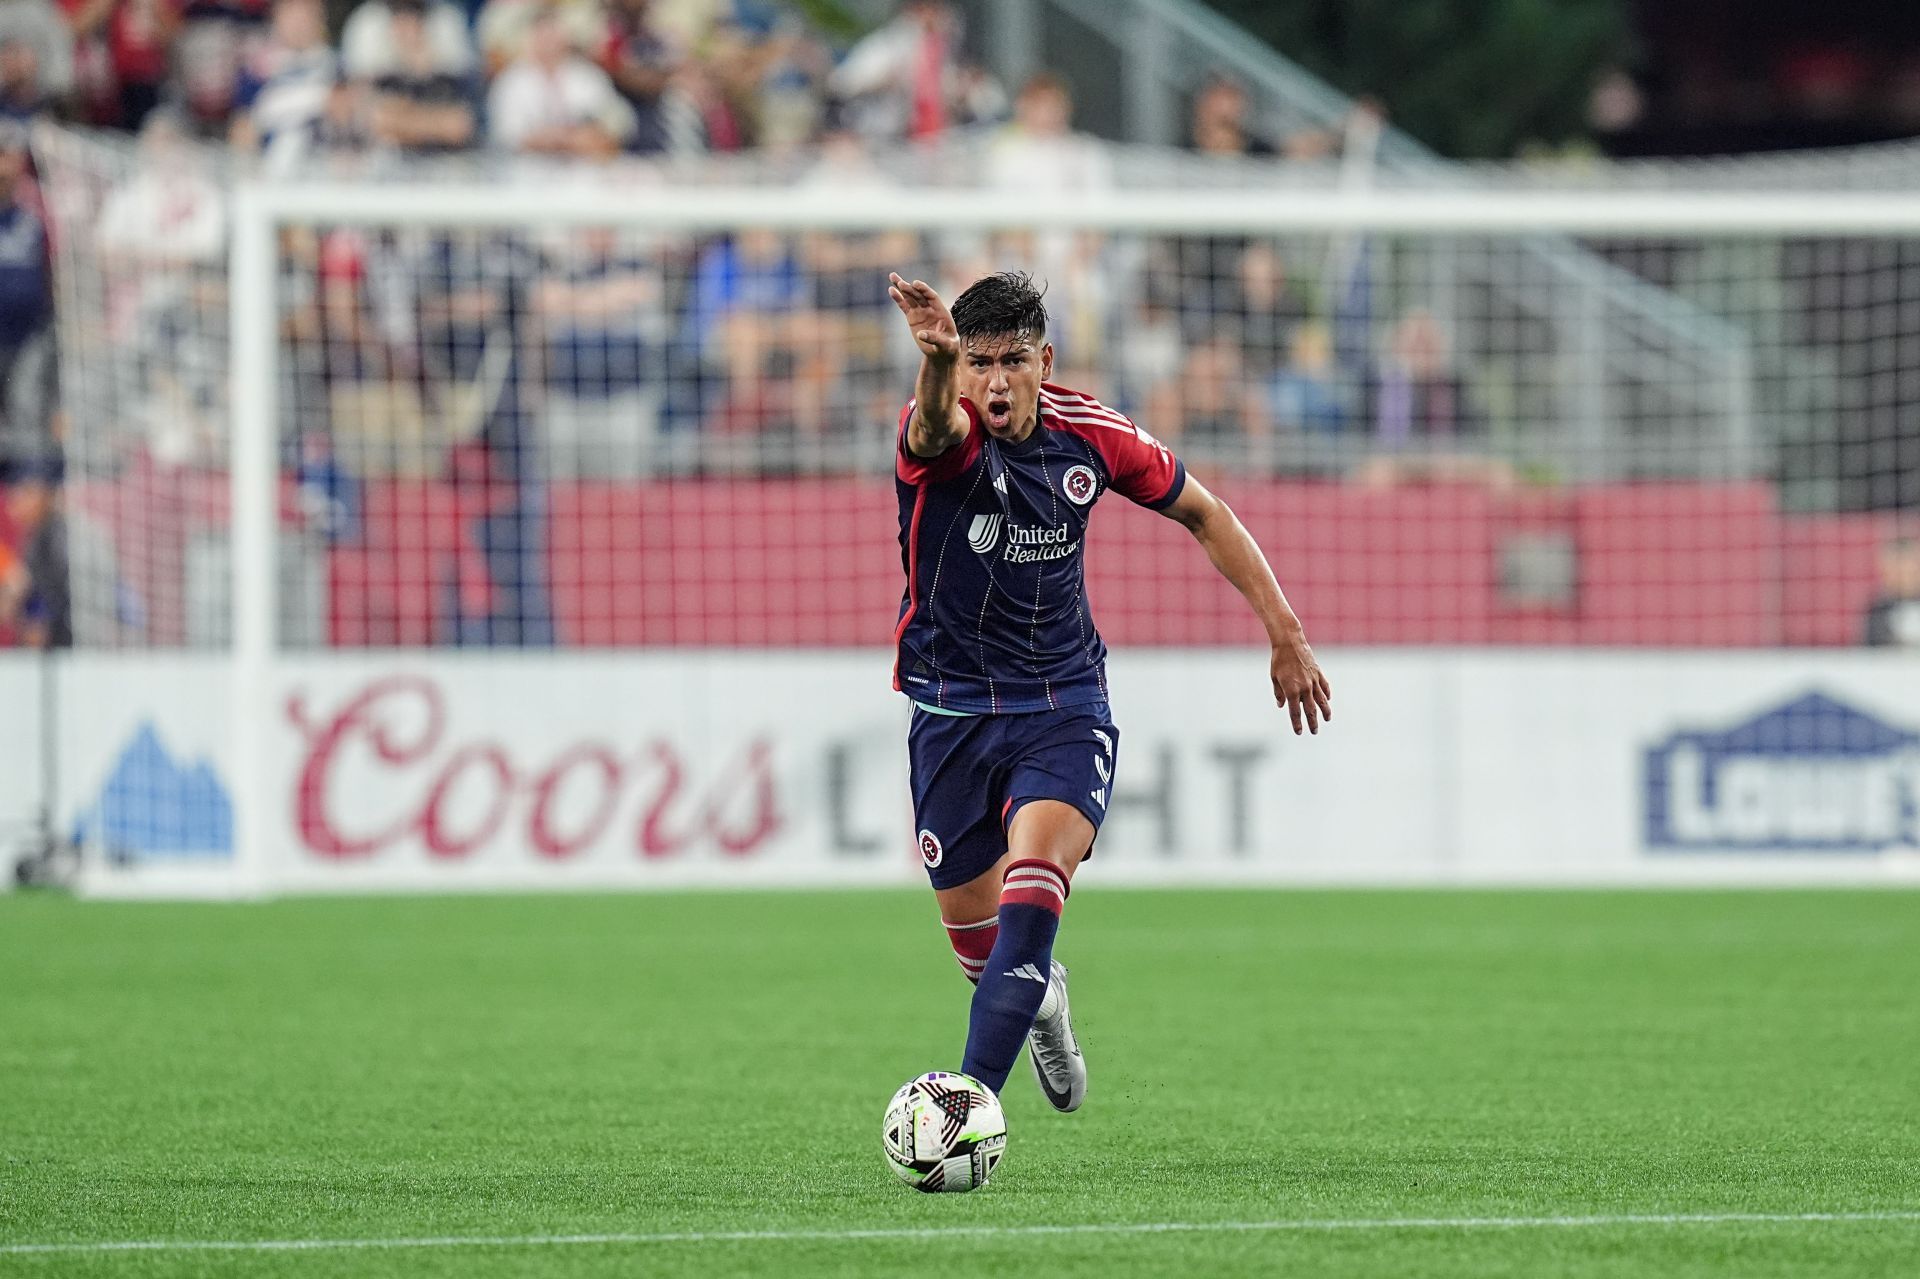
(769, 76)
(371, 49)
(207, 59)
(745, 289)
(1893, 619)
(167, 213)
(644, 64)
(473, 324)
(1040, 149)
(978, 98)
(1219, 125)
(713, 124)
(26, 312)
(862, 347)
(679, 102)
(35, 599)
(22, 99)
(1147, 356)
(601, 300)
(95, 98)
(286, 87)
(162, 241)
(1209, 410)
(140, 36)
(14, 582)
(1260, 307)
(1306, 395)
(506, 26)
(1192, 278)
(754, 320)
(552, 101)
(354, 349)
(898, 82)
(1414, 393)
(1227, 282)
(416, 104)
(40, 26)
(691, 22)
(1039, 153)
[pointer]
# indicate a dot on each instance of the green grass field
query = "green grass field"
(705, 1065)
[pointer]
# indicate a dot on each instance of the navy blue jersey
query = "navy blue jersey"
(994, 619)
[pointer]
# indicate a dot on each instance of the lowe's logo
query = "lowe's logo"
(157, 804)
(1812, 776)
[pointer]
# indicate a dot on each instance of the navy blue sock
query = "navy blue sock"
(1014, 981)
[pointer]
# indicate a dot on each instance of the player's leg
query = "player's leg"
(956, 775)
(1052, 1048)
(1065, 767)
(1046, 841)
(970, 913)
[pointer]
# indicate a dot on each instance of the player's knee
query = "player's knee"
(1051, 831)
(1067, 856)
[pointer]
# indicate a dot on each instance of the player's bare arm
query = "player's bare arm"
(1298, 682)
(938, 421)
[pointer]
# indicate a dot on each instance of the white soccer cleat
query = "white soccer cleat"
(1055, 1053)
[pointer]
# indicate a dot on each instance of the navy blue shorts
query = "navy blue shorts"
(972, 773)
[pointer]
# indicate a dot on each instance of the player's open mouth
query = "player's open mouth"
(999, 412)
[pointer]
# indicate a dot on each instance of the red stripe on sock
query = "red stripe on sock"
(972, 943)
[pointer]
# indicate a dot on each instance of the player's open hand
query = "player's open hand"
(1300, 685)
(927, 316)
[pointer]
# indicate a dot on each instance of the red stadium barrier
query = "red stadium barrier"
(1833, 564)
(814, 563)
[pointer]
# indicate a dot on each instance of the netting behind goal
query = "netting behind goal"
(640, 434)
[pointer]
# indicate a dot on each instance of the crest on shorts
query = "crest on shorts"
(930, 850)
(1079, 484)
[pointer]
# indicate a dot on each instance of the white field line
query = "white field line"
(1299, 1225)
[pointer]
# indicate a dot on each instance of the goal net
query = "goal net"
(523, 412)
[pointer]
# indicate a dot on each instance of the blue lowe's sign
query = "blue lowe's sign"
(1812, 776)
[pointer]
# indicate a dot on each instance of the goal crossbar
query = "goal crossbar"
(1491, 212)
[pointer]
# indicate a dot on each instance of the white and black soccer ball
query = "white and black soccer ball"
(944, 1132)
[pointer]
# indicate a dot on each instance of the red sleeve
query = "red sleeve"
(934, 470)
(1140, 467)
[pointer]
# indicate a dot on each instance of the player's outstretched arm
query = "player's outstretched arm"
(938, 422)
(1298, 682)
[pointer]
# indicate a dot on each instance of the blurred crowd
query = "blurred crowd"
(612, 352)
(503, 360)
(572, 78)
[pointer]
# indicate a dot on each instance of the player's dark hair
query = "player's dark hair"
(1000, 305)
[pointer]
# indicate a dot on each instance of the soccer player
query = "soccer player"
(1012, 748)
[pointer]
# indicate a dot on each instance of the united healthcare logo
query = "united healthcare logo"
(1812, 776)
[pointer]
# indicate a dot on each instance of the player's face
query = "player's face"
(1002, 376)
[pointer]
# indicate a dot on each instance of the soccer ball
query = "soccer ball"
(944, 1131)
